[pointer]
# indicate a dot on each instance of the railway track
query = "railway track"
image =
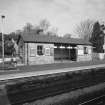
(95, 101)
(51, 87)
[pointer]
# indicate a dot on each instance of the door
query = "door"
(73, 55)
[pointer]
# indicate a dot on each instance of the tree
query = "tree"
(9, 47)
(17, 32)
(42, 28)
(28, 27)
(67, 35)
(44, 24)
(53, 31)
(97, 38)
(84, 29)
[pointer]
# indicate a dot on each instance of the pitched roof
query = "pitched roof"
(30, 37)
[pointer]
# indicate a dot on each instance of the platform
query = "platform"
(36, 70)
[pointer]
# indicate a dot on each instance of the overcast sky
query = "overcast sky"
(63, 14)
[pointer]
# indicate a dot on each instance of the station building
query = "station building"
(45, 49)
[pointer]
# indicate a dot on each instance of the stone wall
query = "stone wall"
(31, 56)
(81, 56)
(84, 58)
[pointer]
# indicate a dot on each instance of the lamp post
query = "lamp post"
(2, 18)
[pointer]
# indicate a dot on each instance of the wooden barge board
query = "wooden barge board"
(29, 71)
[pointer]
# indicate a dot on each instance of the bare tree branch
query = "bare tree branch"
(84, 29)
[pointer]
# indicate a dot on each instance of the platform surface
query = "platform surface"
(36, 70)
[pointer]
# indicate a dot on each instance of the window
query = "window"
(32, 51)
(85, 50)
(40, 50)
(47, 51)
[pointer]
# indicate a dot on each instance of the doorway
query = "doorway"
(73, 54)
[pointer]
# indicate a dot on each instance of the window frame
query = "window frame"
(32, 52)
(40, 50)
(85, 50)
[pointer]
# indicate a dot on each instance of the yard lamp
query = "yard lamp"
(2, 18)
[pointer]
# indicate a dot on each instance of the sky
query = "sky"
(63, 14)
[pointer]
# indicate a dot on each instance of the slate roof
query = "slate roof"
(29, 37)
